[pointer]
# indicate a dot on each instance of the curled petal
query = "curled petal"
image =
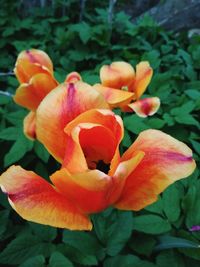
(36, 200)
(166, 160)
(121, 172)
(90, 189)
(145, 107)
(73, 77)
(94, 190)
(29, 125)
(117, 75)
(143, 77)
(104, 117)
(58, 108)
(94, 135)
(31, 62)
(29, 95)
(114, 97)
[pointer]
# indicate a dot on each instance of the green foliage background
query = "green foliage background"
(157, 236)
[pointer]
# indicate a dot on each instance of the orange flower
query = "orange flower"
(34, 71)
(31, 62)
(94, 175)
(58, 108)
(120, 85)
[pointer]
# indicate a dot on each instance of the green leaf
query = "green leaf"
(143, 244)
(86, 243)
(18, 150)
(57, 259)
(135, 124)
(17, 117)
(41, 151)
(156, 123)
(193, 94)
(24, 247)
(114, 230)
(5, 99)
(10, 133)
(4, 221)
(187, 119)
(168, 119)
(78, 256)
(184, 109)
(169, 258)
(36, 261)
(196, 146)
(85, 32)
(190, 252)
(172, 202)
(156, 207)
(127, 261)
(152, 57)
(44, 232)
(151, 224)
(168, 242)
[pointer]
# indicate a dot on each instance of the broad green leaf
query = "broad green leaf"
(10, 133)
(196, 146)
(142, 243)
(24, 247)
(113, 230)
(5, 99)
(169, 258)
(17, 117)
(187, 119)
(171, 203)
(4, 221)
(151, 224)
(41, 151)
(36, 261)
(18, 150)
(184, 109)
(156, 123)
(127, 261)
(44, 232)
(135, 124)
(78, 256)
(57, 259)
(86, 243)
(156, 207)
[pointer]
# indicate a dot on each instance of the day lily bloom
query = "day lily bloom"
(122, 87)
(95, 176)
(34, 71)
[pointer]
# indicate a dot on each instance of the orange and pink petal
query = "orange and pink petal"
(73, 77)
(92, 136)
(34, 199)
(58, 108)
(31, 62)
(117, 75)
(114, 97)
(89, 189)
(29, 125)
(143, 77)
(166, 160)
(29, 95)
(145, 107)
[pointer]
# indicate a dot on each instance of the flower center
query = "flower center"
(102, 166)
